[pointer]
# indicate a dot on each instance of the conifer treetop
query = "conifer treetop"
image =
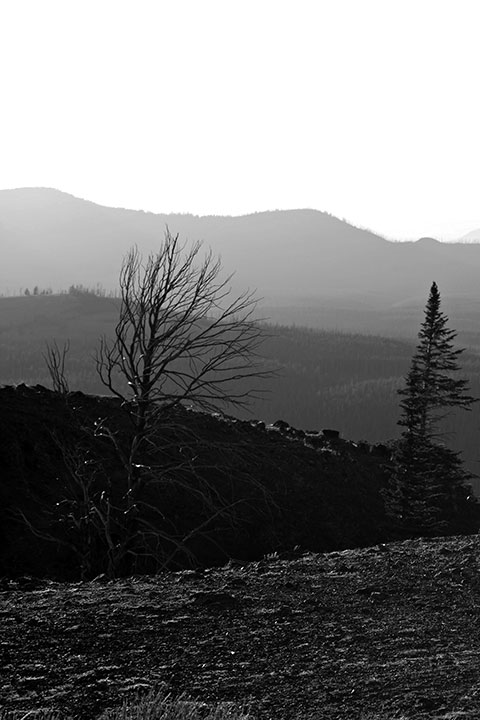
(431, 388)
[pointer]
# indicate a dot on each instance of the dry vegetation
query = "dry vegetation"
(151, 705)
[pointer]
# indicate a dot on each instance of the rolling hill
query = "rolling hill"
(309, 267)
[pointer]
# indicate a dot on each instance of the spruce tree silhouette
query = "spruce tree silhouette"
(429, 489)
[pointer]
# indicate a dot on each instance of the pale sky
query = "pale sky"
(367, 109)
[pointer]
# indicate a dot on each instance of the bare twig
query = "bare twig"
(55, 361)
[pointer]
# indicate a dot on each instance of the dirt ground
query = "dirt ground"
(383, 632)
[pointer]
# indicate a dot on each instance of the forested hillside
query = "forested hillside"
(324, 378)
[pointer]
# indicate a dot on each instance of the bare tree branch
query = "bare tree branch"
(180, 337)
(55, 361)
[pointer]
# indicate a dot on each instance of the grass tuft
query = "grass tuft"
(157, 705)
(29, 715)
(153, 705)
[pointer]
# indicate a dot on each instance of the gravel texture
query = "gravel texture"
(383, 632)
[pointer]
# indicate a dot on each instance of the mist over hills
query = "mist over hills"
(310, 267)
(263, 249)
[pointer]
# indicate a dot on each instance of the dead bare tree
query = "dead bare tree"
(180, 337)
(181, 340)
(141, 486)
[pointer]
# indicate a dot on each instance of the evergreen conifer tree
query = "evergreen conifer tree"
(429, 483)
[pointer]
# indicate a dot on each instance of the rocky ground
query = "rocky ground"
(384, 632)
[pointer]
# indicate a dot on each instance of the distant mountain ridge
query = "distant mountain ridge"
(35, 219)
(471, 237)
(292, 257)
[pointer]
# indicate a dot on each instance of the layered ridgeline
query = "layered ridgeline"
(325, 379)
(311, 268)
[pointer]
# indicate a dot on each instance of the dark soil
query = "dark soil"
(381, 632)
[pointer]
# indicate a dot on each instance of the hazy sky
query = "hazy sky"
(368, 109)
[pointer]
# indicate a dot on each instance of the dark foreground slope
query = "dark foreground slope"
(382, 633)
(287, 488)
(220, 488)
